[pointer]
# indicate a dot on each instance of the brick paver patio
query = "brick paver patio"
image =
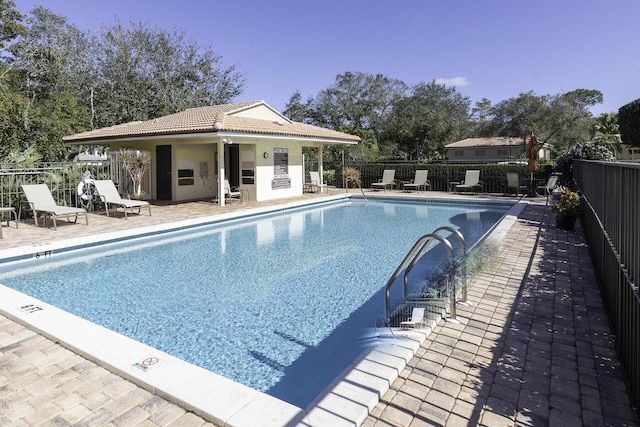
(533, 348)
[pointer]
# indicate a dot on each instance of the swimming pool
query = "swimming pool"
(276, 302)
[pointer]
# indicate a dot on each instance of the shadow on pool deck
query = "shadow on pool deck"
(533, 348)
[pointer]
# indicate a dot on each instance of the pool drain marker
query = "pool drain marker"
(31, 308)
(146, 363)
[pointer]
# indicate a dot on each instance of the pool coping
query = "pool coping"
(346, 401)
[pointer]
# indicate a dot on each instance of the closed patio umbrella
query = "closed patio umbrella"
(532, 156)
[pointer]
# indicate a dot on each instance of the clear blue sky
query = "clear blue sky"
(494, 49)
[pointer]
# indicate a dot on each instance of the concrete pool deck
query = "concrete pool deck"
(526, 351)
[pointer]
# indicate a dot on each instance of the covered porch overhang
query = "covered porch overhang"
(221, 140)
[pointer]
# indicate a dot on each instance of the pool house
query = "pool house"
(250, 144)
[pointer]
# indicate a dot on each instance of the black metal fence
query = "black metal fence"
(493, 176)
(611, 222)
(62, 178)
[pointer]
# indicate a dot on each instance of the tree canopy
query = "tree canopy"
(166, 71)
(416, 122)
(10, 22)
(562, 119)
(57, 79)
(423, 122)
(629, 122)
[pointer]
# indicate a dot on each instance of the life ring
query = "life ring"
(83, 190)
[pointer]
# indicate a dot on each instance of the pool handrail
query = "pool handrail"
(418, 249)
(346, 190)
(463, 256)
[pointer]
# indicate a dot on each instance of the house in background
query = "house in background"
(194, 151)
(490, 150)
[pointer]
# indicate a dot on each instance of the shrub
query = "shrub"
(629, 123)
(581, 151)
(569, 203)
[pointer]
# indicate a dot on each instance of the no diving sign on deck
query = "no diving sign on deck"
(147, 363)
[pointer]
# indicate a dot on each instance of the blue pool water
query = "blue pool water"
(276, 302)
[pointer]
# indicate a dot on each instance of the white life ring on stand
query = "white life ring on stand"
(83, 189)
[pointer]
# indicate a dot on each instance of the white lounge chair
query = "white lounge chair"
(387, 181)
(232, 193)
(417, 318)
(547, 189)
(316, 181)
(513, 185)
(420, 181)
(471, 182)
(40, 199)
(108, 194)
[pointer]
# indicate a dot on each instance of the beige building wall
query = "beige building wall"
(199, 159)
(256, 167)
(267, 154)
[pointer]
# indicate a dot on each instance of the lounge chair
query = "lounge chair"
(316, 182)
(547, 189)
(40, 199)
(232, 193)
(387, 181)
(417, 318)
(419, 182)
(513, 185)
(471, 183)
(108, 194)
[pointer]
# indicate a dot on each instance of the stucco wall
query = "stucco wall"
(251, 155)
(265, 170)
(192, 157)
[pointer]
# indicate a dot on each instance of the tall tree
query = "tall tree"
(149, 72)
(10, 23)
(62, 80)
(358, 101)
(47, 83)
(431, 117)
(519, 116)
(11, 102)
(299, 111)
(629, 122)
(480, 119)
(561, 120)
(569, 120)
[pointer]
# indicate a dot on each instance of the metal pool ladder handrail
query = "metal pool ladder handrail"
(346, 190)
(418, 249)
(463, 256)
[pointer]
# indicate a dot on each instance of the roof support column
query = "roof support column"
(221, 173)
(320, 168)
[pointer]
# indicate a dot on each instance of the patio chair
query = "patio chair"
(417, 318)
(513, 185)
(547, 189)
(471, 183)
(232, 193)
(419, 182)
(108, 194)
(387, 181)
(40, 199)
(316, 181)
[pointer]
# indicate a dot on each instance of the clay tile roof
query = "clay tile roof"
(215, 118)
(487, 142)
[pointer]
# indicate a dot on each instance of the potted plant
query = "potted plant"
(352, 176)
(567, 209)
(136, 162)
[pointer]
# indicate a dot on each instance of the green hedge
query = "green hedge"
(629, 123)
